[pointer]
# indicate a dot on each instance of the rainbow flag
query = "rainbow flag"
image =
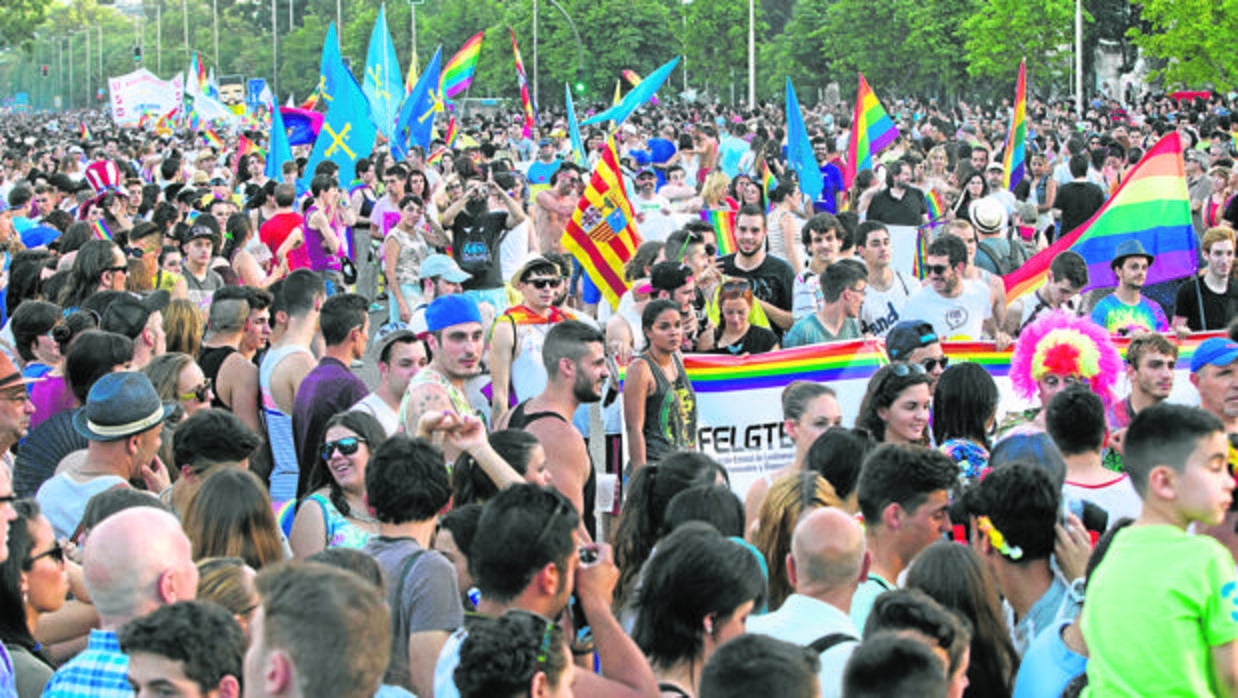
(1150, 206)
(821, 363)
(768, 182)
(435, 157)
(723, 221)
(212, 138)
(526, 98)
(936, 206)
(86, 136)
(871, 131)
(453, 130)
(1016, 141)
(919, 264)
(458, 72)
(634, 79)
(602, 232)
(100, 230)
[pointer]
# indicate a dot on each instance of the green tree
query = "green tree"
(715, 42)
(1194, 38)
(1001, 32)
(18, 19)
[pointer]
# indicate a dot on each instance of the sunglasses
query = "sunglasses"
(931, 365)
(904, 370)
(736, 286)
(55, 554)
(119, 269)
(936, 269)
(199, 393)
(347, 446)
(542, 284)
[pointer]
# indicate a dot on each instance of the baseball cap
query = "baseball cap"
(389, 334)
(451, 310)
(907, 336)
(127, 314)
(445, 267)
(1217, 351)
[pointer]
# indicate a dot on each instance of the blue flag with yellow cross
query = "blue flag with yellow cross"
(347, 133)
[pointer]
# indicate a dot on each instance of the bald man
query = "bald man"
(134, 562)
(828, 560)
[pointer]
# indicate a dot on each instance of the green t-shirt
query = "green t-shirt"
(1156, 605)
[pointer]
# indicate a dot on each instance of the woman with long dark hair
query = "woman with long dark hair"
(33, 581)
(896, 406)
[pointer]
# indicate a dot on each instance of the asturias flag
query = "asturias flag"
(347, 132)
(382, 76)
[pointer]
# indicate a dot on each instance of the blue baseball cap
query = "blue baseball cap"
(1217, 351)
(451, 310)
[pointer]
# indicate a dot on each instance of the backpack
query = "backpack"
(1004, 264)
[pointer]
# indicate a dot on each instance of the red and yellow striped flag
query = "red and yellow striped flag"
(602, 233)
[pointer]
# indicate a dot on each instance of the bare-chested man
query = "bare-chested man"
(553, 207)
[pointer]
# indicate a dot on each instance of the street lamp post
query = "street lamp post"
(537, 97)
(185, 23)
(412, 32)
(215, 28)
(1079, 57)
(752, 53)
(69, 89)
(274, 56)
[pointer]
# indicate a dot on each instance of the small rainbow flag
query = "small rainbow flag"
(100, 230)
(919, 264)
(871, 131)
(86, 133)
(768, 182)
(936, 206)
(634, 79)
(212, 138)
(723, 221)
(458, 72)
(452, 132)
(1150, 206)
(436, 157)
(1016, 140)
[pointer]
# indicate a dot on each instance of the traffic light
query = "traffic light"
(43, 70)
(137, 54)
(579, 85)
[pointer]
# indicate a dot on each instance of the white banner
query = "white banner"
(142, 92)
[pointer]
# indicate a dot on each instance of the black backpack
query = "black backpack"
(1007, 263)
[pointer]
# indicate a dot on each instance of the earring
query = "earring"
(709, 625)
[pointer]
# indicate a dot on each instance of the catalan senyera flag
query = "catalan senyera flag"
(1150, 206)
(871, 131)
(526, 98)
(602, 233)
(1013, 167)
(459, 71)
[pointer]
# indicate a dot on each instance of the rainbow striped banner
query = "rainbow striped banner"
(526, 99)
(871, 131)
(453, 130)
(723, 221)
(459, 71)
(768, 182)
(1150, 206)
(100, 230)
(212, 138)
(1016, 141)
(86, 135)
(936, 206)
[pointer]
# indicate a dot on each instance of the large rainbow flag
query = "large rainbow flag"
(602, 233)
(459, 71)
(1013, 164)
(723, 221)
(871, 131)
(1151, 206)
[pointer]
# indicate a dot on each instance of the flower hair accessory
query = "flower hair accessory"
(997, 540)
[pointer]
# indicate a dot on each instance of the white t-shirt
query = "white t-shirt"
(514, 249)
(1118, 497)
(952, 318)
(374, 405)
(883, 309)
(658, 223)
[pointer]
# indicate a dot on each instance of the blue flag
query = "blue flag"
(799, 149)
(328, 80)
(418, 111)
(579, 156)
(382, 85)
(347, 133)
(633, 100)
(279, 150)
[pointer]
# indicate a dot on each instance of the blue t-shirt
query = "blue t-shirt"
(539, 174)
(832, 177)
(1048, 665)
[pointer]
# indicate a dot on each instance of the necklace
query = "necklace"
(361, 517)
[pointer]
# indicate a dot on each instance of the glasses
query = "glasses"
(347, 446)
(452, 187)
(55, 554)
(736, 286)
(931, 365)
(904, 370)
(118, 269)
(199, 393)
(542, 284)
(936, 269)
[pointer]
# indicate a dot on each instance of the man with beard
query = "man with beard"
(574, 356)
(476, 232)
(1126, 311)
(771, 279)
(653, 211)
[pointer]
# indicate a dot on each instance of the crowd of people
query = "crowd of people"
(331, 433)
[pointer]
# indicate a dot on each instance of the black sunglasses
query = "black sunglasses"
(931, 364)
(936, 269)
(541, 284)
(118, 269)
(347, 446)
(904, 370)
(55, 553)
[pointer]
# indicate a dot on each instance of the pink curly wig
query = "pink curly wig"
(1062, 344)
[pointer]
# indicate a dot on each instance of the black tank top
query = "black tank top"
(520, 420)
(210, 359)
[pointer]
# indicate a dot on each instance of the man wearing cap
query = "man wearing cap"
(553, 207)
(995, 175)
(234, 377)
(540, 173)
(401, 355)
(675, 282)
(915, 342)
(331, 387)
(1126, 311)
(199, 248)
(455, 336)
(141, 321)
(1067, 275)
(121, 421)
(440, 276)
(1214, 373)
(518, 335)
(653, 211)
